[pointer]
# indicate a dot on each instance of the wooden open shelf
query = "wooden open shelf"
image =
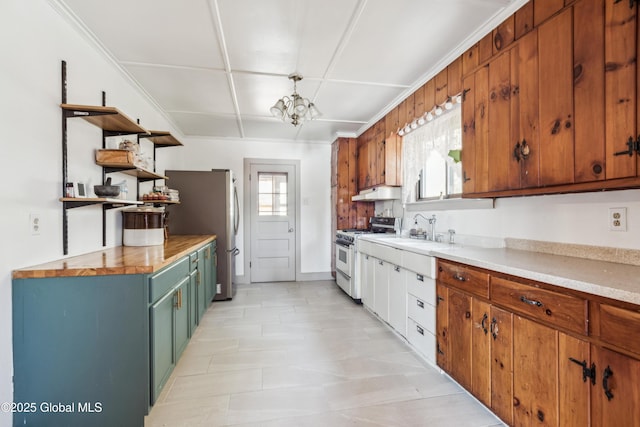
(76, 202)
(161, 138)
(106, 118)
(161, 202)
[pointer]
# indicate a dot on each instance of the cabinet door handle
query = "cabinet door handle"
(419, 277)
(420, 330)
(380, 262)
(605, 382)
(459, 278)
(420, 303)
(439, 350)
(397, 269)
(530, 301)
(483, 323)
(198, 278)
(493, 327)
(176, 300)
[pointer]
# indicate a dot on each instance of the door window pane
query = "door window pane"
(272, 194)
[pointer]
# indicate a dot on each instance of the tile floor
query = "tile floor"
(303, 354)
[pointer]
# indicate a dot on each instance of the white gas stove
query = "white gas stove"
(347, 269)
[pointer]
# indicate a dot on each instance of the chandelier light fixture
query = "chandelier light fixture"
(294, 107)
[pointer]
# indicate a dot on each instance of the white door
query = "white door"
(273, 223)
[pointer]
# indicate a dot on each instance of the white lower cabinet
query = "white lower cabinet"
(381, 290)
(367, 280)
(399, 286)
(398, 299)
(422, 340)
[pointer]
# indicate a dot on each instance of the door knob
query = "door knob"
(291, 230)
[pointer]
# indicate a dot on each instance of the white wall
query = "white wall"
(34, 39)
(570, 218)
(315, 194)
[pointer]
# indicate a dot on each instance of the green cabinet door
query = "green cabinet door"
(202, 280)
(211, 272)
(193, 302)
(181, 318)
(162, 338)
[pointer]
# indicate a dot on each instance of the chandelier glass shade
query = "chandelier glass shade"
(295, 108)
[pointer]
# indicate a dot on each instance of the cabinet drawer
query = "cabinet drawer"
(422, 340)
(618, 326)
(422, 287)
(161, 282)
(193, 260)
(364, 246)
(464, 278)
(422, 313)
(561, 310)
(422, 264)
(387, 253)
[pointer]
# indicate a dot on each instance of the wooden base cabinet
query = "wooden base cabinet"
(525, 351)
(616, 395)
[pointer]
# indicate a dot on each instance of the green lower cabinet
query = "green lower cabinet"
(162, 338)
(170, 331)
(202, 281)
(211, 271)
(80, 345)
(181, 318)
(193, 301)
(97, 350)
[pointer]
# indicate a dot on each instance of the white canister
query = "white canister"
(143, 226)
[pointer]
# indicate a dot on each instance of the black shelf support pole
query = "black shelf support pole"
(65, 223)
(104, 177)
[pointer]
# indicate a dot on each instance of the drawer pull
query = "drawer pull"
(420, 303)
(420, 330)
(194, 261)
(605, 382)
(530, 301)
(419, 277)
(459, 278)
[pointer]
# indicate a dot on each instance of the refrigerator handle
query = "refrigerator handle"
(236, 225)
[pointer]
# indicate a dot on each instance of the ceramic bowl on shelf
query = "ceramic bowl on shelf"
(106, 190)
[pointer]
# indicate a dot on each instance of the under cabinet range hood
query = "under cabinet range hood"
(378, 193)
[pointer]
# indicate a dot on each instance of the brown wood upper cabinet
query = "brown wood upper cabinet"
(556, 109)
(379, 157)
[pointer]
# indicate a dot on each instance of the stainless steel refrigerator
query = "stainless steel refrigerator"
(209, 205)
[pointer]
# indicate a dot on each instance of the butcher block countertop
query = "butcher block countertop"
(118, 260)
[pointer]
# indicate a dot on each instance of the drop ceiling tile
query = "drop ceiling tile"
(191, 124)
(258, 93)
(398, 42)
(326, 131)
(154, 31)
(283, 36)
(352, 101)
(186, 89)
(268, 128)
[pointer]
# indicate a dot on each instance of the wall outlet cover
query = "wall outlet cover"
(618, 219)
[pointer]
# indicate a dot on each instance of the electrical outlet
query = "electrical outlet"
(618, 219)
(35, 224)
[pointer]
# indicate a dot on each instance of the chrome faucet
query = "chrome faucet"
(432, 225)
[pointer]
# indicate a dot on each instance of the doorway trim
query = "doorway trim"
(246, 189)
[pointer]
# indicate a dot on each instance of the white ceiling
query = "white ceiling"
(215, 67)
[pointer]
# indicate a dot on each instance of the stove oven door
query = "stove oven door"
(344, 258)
